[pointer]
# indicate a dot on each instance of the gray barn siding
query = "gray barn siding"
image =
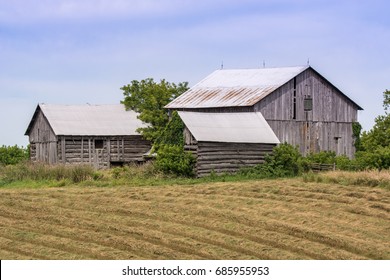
(328, 104)
(43, 141)
(227, 157)
(328, 127)
(313, 137)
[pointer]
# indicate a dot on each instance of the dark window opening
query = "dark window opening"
(294, 115)
(117, 163)
(308, 104)
(99, 144)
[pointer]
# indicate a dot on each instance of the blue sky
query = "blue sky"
(83, 51)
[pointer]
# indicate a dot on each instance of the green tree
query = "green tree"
(379, 135)
(148, 98)
(386, 100)
(375, 143)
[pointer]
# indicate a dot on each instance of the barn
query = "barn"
(226, 142)
(301, 106)
(98, 135)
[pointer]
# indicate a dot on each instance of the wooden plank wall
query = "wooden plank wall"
(42, 141)
(41, 131)
(329, 105)
(79, 150)
(313, 137)
(228, 157)
(328, 127)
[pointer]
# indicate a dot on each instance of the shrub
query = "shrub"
(377, 159)
(323, 157)
(173, 159)
(13, 154)
(285, 160)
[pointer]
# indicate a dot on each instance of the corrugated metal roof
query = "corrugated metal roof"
(250, 127)
(236, 87)
(99, 120)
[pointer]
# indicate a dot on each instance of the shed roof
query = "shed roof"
(249, 127)
(92, 120)
(235, 87)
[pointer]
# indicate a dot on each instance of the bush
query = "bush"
(377, 159)
(13, 154)
(284, 161)
(172, 159)
(323, 157)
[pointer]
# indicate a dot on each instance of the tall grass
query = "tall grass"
(371, 178)
(28, 171)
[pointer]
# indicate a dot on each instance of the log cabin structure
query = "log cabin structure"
(226, 142)
(301, 106)
(98, 135)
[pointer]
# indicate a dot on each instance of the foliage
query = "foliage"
(378, 136)
(323, 157)
(386, 100)
(13, 154)
(375, 143)
(173, 159)
(285, 160)
(356, 132)
(173, 132)
(377, 159)
(148, 98)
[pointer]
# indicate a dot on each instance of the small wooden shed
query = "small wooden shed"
(99, 135)
(226, 142)
(301, 106)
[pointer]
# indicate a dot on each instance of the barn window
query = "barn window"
(308, 104)
(294, 109)
(99, 144)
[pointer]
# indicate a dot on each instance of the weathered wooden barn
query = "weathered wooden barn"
(99, 135)
(226, 142)
(301, 106)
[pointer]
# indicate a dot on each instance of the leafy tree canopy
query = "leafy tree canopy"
(148, 98)
(379, 135)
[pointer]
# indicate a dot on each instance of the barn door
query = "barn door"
(100, 158)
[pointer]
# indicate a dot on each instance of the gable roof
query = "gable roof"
(237, 87)
(248, 127)
(92, 120)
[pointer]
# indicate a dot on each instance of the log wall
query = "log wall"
(227, 157)
(114, 150)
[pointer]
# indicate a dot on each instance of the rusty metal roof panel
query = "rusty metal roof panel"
(248, 127)
(227, 88)
(92, 120)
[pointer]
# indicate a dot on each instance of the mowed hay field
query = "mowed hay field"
(265, 219)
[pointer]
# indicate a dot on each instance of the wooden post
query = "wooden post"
(63, 150)
(89, 150)
(82, 149)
